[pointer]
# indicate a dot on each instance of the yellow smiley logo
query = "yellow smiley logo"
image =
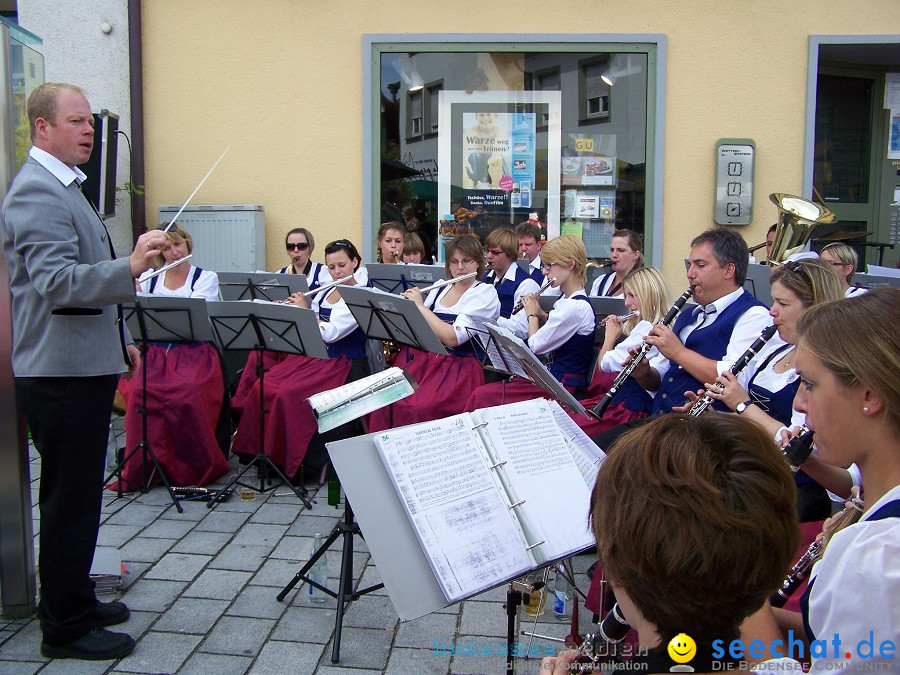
(682, 648)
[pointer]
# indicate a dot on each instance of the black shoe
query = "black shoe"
(98, 645)
(111, 613)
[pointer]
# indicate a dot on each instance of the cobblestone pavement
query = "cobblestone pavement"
(202, 589)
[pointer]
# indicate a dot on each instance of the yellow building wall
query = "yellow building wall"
(280, 81)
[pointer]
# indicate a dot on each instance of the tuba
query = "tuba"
(797, 219)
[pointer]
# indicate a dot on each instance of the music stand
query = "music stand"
(602, 305)
(260, 285)
(159, 319)
(496, 356)
(261, 326)
(398, 278)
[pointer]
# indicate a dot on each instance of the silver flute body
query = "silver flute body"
(706, 400)
(520, 305)
(330, 284)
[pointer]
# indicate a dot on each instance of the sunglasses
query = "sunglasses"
(302, 246)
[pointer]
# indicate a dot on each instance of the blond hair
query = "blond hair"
(813, 281)
(565, 249)
(871, 356)
(648, 286)
(843, 254)
(178, 235)
(42, 103)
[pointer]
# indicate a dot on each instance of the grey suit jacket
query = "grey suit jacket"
(63, 282)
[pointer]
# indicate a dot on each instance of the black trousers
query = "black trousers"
(69, 422)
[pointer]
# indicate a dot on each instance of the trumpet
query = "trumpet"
(520, 305)
(801, 569)
(639, 356)
(705, 401)
(622, 318)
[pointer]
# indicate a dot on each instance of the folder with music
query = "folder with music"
(353, 400)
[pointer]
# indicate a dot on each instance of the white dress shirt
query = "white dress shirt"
(568, 317)
(480, 301)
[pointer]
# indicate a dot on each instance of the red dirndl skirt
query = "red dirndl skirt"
(185, 394)
(249, 377)
(445, 384)
(614, 415)
(290, 422)
(500, 393)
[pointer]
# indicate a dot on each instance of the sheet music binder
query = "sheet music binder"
(535, 370)
(397, 278)
(384, 316)
(260, 285)
(507, 472)
(353, 400)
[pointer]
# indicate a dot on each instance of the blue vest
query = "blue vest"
(537, 274)
(602, 282)
(352, 346)
(634, 397)
(468, 348)
(506, 291)
(709, 341)
(889, 510)
(569, 363)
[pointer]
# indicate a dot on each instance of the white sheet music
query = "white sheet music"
(500, 358)
(588, 457)
(440, 472)
(542, 472)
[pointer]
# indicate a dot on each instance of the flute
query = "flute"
(520, 304)
(165, 267)
(325, 287)
(639, 356)
(446, 282)
(801, 569)
(622, 318)
(706, 400)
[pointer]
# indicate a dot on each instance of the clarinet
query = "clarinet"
(804, 565)
(745, 358)
(639, 356)
(601, 646)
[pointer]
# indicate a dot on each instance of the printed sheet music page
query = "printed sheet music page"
(588, 457)
(464, 525)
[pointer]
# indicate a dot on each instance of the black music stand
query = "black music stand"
(263, 326)
(260, 285)
(397, 278)
(159, 319)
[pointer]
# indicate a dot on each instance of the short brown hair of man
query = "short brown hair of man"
(530, 229)
(503, 238)
(469, 246)
(695, 517)
(42, 103)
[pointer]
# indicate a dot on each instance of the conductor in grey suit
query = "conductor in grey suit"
(68, 351)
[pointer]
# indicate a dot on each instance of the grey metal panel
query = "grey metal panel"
(227, 237)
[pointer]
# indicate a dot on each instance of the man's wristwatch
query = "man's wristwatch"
(743, 405)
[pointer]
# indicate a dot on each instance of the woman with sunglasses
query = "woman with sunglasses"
(764, 391)
(445, 382)
(300, 245)
(850, 394)
(292, 439)
(184, 381)
(565, 338)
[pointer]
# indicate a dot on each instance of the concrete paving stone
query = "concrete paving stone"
(217, 664)
(159, 653)
(145, 549)
(222, 521)
(138, 623)
(178, 567)
(259, 534)
(136, 514)
(157, 496)
(218, 584)
(334, 670)
(424, 631)
(257, 601)
(305, 624)
(191, 615)
(153, 595)
(484, 656)
(275, 573)
(116, 535)
(23, 646)
(416, 661)
(483, 618)
(362, 648)
(307, 526)
(299, 595)
(73, 667)
(279, 514)
(236, 504)
(237, 556)
(202, 543)
(238, 635)
(193, 511)
(20, 667)
(165, 528)
(291, 548)
(371, 611)
(133, 572)
(287, 658)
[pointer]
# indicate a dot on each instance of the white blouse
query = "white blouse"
(207, 286)
(479, 301)
(340, 323)
(568, 317)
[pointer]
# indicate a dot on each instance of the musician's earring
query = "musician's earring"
(866, 409)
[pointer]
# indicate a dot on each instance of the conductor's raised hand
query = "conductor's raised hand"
(146, 250)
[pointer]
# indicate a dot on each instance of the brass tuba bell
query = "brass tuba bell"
(797, 219)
